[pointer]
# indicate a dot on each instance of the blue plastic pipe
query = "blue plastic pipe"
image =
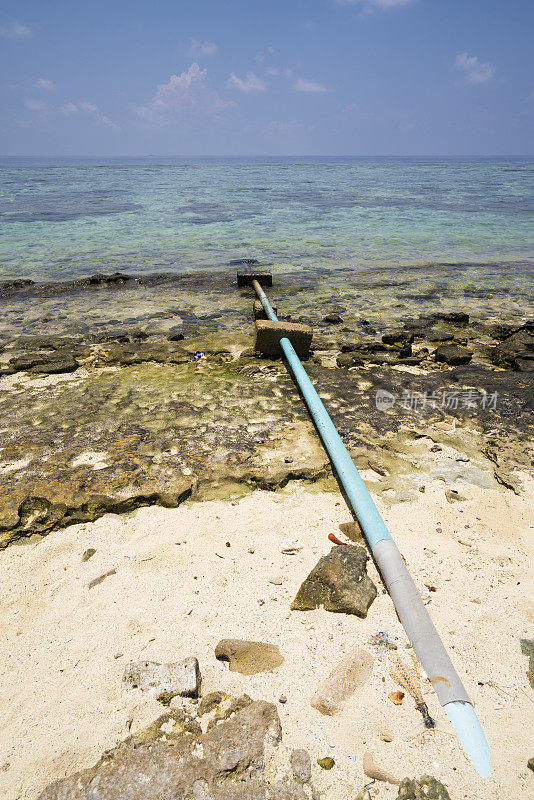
(411, 611)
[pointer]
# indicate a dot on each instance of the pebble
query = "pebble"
(282, 699)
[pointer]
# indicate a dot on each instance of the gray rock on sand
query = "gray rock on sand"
(301, 765)
(339, 582)
(350, 674)
(453, 355)
(426, 788)
(248, 658)
(165, 680)
(172, 758)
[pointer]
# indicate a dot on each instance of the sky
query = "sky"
(266, 77)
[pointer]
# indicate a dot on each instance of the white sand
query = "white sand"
(173, 596)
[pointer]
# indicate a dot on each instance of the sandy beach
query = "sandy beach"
(187, 577)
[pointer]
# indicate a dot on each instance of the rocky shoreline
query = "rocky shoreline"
(108, 415)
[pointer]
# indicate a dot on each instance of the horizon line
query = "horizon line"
(274, 155)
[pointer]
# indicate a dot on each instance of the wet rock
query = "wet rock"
(527, 648)
(301, 765)
(248, 658)
(175, 759)
(515, 352)
(399, 337)
(100, 279)
(426, 788)
(89, 553)
(128, 354)
(44, 363)
(339, 582)
(18, 283)
(333, 319)
(456, 317)
(452, 355)
(175, 334)
(439, 336)
(177, 678)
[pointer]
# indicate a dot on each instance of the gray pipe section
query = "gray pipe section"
(418, 625)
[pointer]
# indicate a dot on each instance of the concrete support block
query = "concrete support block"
(268, 335)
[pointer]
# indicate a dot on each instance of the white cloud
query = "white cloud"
(272, 71)
(197, 48)
(261, 55)
(384, 4)
(475, 71)
(44, 84)
(249, 84)
(14, 30)
(187, 92)
(70, 109)
(36, 105)
(304, 85)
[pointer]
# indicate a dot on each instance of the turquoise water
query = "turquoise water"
(61, 219)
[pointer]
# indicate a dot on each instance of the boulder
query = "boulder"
(453, 355)
(456, 317)
(339, 582)
(399, 337)
(426, 788)
(172, 758)
(164, 680)
(44, 363)
(333, 319)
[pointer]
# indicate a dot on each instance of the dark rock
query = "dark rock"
(45, 363)
(333, 319)
(339, 582)
(172, 758)
(239, 262)
(326, 763)
(346, 360)
(515, 352)
(452, 355)
(456, 317)
(89, 553)
(179, 678)
(400, 337)
(530, 763)
(175, 334)
(248, 658)
(18, 283)
(301, 765)
(527, 648)
(439, 336)
(426, 788)
(116, 277)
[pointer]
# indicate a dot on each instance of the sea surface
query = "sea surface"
(65, 218)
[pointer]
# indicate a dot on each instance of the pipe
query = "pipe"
(412, 613)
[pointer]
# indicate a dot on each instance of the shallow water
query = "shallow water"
(60, 219)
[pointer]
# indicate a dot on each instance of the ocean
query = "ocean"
(65, 218)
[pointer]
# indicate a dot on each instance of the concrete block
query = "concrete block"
(268, 335)
(259, 312)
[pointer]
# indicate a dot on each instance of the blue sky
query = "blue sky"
(257, 77)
